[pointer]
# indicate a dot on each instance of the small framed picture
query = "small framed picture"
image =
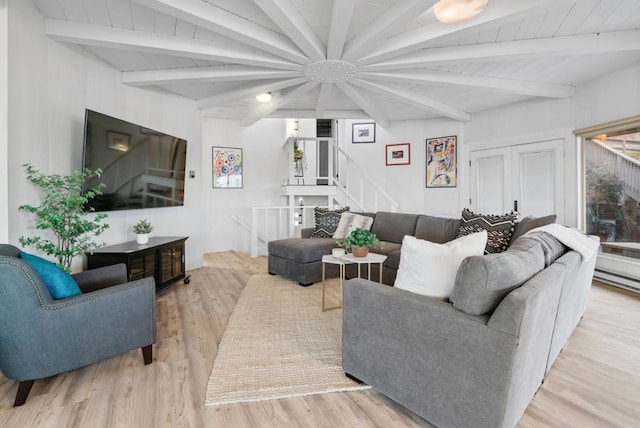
(118, 141)
(364, 133)
(227, 168)
(398, 154)
(442, 162)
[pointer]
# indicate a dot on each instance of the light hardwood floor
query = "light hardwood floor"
(594, 383)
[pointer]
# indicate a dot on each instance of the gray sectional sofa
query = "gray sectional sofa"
(478, 359)
(475, 360)
(299, 259)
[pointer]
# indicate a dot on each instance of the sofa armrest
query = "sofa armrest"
(449, 367)
(81, 330)
(306, 232)
(102, 277)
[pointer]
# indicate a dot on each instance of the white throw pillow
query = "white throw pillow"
(430, 269)
(350, 222)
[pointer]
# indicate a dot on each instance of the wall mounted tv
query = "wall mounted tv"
(141, 167)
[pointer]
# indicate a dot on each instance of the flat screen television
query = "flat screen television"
(141, 167)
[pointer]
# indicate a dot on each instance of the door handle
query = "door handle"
(515, 206)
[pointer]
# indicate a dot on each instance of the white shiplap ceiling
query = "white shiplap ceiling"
(400, 62)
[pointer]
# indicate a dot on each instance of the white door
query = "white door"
(526, 178)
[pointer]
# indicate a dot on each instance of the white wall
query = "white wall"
(264, 173)
(4, 135)
(407, 184)
(611, 97)
(50, 86)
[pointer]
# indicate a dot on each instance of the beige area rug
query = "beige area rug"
(278, 344)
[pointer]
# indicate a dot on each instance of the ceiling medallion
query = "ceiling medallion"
(330, 71)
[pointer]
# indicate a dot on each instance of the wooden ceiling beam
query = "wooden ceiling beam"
(247, 92)
(341, 13)
(498, 12)
(268, 108)
(535, 89)
(401, 12)
(229, 25)
(109, 37)
(311, 114)
(293, 24)
(618, 41)
(365, 104)
(223, 73)
(417, 100)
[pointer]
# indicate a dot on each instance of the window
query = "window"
(611, 202)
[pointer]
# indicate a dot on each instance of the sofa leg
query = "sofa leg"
(305, 285)
(23, 392)
(147, 354)
(271, 273)
(353, 378)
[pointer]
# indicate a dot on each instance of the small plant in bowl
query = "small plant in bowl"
(142, 229)
(359, 241)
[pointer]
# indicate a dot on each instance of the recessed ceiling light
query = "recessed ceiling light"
(455, 11)
(264, 97)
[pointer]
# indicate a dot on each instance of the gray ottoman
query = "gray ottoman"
(300, 259)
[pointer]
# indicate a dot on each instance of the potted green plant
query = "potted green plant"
(142, 229)
(63, 212)
(359, 241)
(604, 201)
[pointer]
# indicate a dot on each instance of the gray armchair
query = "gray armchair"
(42, 337)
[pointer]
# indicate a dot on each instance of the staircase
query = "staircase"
(626, 168)
(316, 169)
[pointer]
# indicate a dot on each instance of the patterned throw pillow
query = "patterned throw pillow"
(326, 221)
(350, 222)
(499, 228)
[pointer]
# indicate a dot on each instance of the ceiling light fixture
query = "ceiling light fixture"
(264, 97)
(456, 11)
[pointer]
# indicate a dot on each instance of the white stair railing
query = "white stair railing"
(259, 225)
(626, 168)
(354, 188)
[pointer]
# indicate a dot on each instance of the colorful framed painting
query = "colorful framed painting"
(364, 133)
(442, 162)
(227, 168)
(398, 154)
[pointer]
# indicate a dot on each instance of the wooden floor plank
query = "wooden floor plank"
(594, 382)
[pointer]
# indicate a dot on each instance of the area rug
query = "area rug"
(278, 344)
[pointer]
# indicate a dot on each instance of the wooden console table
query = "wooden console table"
(162, 258)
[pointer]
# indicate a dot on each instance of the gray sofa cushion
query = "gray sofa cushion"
(392, 227)
(437, 229)
(529, 223)
(393, 259)
(302, 250)
(483, 281)
(551, 247)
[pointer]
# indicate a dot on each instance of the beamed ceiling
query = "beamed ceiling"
(384, 59)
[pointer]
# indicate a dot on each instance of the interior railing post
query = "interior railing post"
(254, 232)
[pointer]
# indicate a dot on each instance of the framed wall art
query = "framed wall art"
(442, 162)
(398, 154)
(227, 168)
(364, 133)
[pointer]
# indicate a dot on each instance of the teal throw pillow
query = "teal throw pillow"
(60, 284)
